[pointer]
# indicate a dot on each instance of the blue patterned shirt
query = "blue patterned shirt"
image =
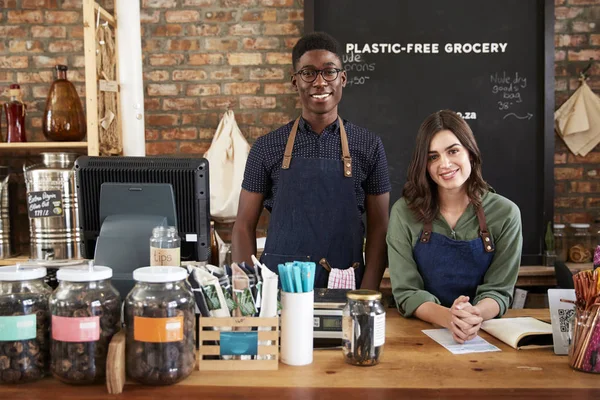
(369, 163)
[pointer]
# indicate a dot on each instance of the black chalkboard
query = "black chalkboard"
(490, 60)
(45, 203)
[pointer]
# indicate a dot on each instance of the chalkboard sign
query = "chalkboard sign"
(45, 203)
(492, 61)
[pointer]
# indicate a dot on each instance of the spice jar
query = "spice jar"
(24, 324)
(584, 348)
(86, 313)
(580, 248)
(165, 247)
(363, 327)
(160, 320)
(560, 242)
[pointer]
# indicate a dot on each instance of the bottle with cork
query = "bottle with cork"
(15, 111)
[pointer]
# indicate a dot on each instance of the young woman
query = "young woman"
(454, 245)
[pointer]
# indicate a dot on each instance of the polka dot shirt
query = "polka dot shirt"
(369, 163)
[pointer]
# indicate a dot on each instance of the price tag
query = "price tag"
(46, 203)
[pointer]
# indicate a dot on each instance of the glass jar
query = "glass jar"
(15, 116)
(165, 247)
(24, 324)
(160, 321)
(63, 116)
(363, 327)
(585, 345)
(86, 313)
(560, 242)
(580, 248)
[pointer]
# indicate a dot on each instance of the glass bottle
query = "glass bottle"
(25, 324)
(161, 323)
(86, 313)
(63, 117)
(580, 248)
(363, 327)
(560, 242)
(15, 116)
(165, 247)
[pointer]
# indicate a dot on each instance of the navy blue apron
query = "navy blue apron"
(451, 268)
(315, 214)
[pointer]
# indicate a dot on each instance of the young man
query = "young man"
(317, 177)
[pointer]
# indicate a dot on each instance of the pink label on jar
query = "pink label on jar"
(75, 329)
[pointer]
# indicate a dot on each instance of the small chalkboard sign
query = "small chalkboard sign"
(45, 203)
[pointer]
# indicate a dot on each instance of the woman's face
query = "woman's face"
(448, 162)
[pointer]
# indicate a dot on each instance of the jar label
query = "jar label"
(379, 330)
(20, 327)
(75, 329)
(158, 330)
(45, 203)
(348, 331)
(165, 257)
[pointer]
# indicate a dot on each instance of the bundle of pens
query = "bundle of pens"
(584, 353)
(297, 277)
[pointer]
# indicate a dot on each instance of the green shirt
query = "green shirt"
(504, 224)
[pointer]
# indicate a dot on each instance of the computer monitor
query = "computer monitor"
(188, 180)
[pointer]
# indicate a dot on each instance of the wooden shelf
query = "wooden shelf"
(44, 145)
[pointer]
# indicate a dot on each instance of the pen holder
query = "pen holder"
(297, 322)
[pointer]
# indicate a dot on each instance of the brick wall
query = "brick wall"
(203, 56)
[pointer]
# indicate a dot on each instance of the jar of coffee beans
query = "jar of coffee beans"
(160, 321)
(24, 324)
(86, 313)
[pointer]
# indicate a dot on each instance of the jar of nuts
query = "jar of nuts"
(160, 320)
(86, 313)
(24, 324)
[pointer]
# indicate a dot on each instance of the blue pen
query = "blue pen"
(289, 276)
(306, 276)
(311, 281)
(297, 278)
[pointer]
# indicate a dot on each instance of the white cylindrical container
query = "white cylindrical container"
(297, 322)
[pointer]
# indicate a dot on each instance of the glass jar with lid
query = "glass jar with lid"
(86, 313)
(24, 324)
(160, 320)
(580, 247)
(363, 327)
(560, 242)
(165, 247)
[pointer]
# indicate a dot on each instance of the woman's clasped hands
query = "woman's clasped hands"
(465, 320)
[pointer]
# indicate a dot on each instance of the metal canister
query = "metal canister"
(4, 213)
(53, 209)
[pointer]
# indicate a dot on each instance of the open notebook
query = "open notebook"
(521, 332)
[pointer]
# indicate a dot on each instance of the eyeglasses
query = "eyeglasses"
(310, 75)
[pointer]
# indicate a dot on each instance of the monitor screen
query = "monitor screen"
(187, 176)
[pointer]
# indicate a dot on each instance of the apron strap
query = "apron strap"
(346, 159)
(488, 244)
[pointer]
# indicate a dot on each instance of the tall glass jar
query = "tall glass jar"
(15, 116)
(580, 248)
(363, 327)
(585, 345)
(165, 247)
(160, 321)
(560, 242)
(64, 119)
(86, 313)
(24, 324)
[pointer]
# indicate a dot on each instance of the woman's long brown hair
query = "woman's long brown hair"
(420, 191)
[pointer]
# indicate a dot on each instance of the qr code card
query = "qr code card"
(562, 315)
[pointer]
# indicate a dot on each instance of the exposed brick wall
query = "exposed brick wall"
(202, 56)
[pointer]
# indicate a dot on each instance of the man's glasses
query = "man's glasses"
(310, 75)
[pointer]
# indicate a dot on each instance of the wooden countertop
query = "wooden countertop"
(412, 365)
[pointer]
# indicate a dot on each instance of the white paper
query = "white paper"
(561, 315)
(444, 337)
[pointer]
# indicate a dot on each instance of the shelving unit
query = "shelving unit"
(44, 145)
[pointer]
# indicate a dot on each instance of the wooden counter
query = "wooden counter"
(412, 366)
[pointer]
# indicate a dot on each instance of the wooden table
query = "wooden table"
(412, 366)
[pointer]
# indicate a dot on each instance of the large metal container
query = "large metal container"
(52, 208)
(4, 213)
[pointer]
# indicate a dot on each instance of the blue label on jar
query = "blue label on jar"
(21, 327)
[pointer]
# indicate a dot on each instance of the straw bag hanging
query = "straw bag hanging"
(227, 157)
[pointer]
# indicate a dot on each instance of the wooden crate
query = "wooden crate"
(238, 322)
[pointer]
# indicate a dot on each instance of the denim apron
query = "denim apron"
(315, 214)
(451, 268)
